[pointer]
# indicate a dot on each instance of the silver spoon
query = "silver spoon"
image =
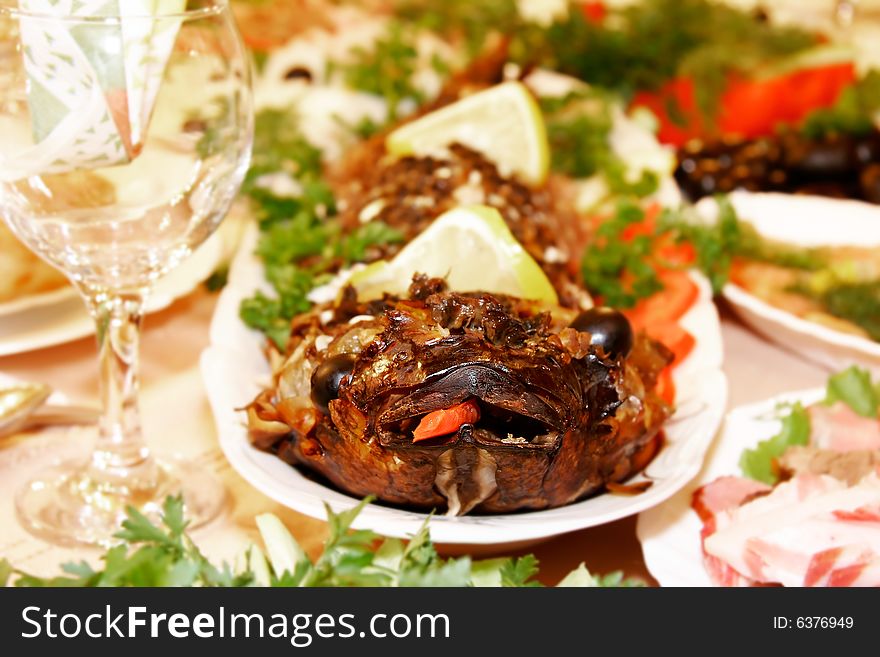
(23, 406)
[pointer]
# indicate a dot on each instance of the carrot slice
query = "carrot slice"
(665, 387)
(447, 420)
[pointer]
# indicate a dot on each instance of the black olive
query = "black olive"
(327, 378)
(867, 148)
(608, 328)
(870, 183)
(834, 156)
(298, 73)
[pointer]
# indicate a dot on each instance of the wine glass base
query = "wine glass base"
(65, 506)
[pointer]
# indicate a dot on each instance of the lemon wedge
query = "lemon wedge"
(472, 248)
(504, 123)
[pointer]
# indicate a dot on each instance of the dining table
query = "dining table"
(178, 422)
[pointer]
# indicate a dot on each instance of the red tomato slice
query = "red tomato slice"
(679, 293)
(679, 94)
(754, 108)
(749, 108)
(594, 11)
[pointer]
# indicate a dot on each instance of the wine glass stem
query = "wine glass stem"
(121, 457)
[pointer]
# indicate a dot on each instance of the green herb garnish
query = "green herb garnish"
(758, 463)
(280, 146)
(715, 244)
(300, 243)
(857, 302)
(164, 555)
(147, 555)
(386, 69)
(852, 113)
(620, 270)
(853, 387)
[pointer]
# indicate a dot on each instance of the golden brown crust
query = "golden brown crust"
(559, 419)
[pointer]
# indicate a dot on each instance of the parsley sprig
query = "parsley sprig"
(620, 269)
(387, 69)
(622, 266)
(852, 386)
(163, 555)
(301, 243)
(147, 555)
(579, 126)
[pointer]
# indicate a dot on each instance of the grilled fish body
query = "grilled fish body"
(558, 418)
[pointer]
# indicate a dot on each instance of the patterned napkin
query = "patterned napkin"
(92, 85)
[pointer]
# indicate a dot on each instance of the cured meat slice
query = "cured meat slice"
(712, 503)
(809, 531)
(840, 429)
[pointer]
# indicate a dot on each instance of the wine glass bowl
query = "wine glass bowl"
(115, 181)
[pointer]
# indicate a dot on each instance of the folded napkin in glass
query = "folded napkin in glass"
(92, 84)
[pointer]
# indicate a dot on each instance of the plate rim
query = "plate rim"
(202, 261)
(36, 300)
(740, 297)
(747, 304)
(652, 523)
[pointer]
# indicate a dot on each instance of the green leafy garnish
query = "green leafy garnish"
(387, 68)
(519, 572)
(856, 302)
(280, 146)
(301, 243)
(852, 113)
(715, 244)
(853, 386)
(163, 555)
(578, 129)
(353, 247)
(617, 269)
(758, 463)
(148, 555)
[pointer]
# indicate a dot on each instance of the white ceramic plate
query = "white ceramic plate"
(670, 533)
(807, 221)
(34, 301)
(57, 317)
(235, 370)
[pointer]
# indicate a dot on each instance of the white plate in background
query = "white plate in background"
(808, 221)
(670, 533)
(53, 318)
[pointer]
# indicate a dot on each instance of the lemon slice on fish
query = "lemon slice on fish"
(504, 123)
(472, 248)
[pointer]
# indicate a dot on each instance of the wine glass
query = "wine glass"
(124, 137)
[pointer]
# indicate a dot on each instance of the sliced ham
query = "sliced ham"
(812, 530)
(711, 502)
(840, 429)
(725, 493)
